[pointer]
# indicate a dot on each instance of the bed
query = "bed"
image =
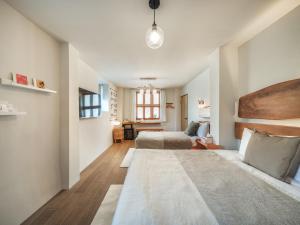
(200, 187)
(163, 140)
(218, 187)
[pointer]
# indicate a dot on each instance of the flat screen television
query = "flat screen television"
(89, 104)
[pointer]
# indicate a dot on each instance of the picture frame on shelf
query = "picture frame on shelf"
(20, 78)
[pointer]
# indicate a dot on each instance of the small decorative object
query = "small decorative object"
(202, 104)
(170, 105)
(113, 104)
(34, 82)
(40, 84)
(20, 78)
(208, 139)
(3, 107)
(6, 107)
(10, 108)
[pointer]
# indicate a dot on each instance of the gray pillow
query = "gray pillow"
(203, 130)
(271, 155)
(192, 128)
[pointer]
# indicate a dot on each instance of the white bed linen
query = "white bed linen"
(290, 190)
(156, 195)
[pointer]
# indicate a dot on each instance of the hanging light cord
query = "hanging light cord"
(154, 13)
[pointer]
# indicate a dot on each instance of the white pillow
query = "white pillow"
(247, 133)
(297, 176)
(203, 130)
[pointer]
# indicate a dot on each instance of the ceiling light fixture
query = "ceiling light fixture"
(147, 89)
(154, 35)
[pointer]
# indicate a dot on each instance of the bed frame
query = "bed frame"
(277, 102)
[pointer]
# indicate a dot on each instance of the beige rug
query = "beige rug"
(127, 159)
(105, 213)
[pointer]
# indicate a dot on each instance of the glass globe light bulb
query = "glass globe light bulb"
(155, 37)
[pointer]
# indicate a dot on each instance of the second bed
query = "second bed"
(163, 140)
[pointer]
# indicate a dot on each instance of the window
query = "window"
(148, 106)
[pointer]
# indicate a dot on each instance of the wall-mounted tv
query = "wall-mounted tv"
(89, 104)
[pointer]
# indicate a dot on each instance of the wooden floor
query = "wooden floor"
(79, 205)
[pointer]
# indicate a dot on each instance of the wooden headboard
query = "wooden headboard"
(277, 102)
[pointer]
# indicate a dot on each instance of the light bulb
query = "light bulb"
(155, 37)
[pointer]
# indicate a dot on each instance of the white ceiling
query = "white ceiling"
(110, 35)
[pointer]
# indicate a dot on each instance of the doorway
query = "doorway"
(184, 111)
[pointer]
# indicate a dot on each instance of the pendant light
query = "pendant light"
(154, 35)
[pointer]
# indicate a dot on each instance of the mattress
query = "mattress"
(163, 140)
(202, 187)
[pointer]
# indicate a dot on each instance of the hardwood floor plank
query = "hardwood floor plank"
(79, 205)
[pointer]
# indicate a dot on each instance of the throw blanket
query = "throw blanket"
(163, 140)
(198, 187)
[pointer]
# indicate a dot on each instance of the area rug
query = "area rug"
(127, 159)
(105, 213)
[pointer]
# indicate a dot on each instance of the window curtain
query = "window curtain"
(132, 103)
(163, 106)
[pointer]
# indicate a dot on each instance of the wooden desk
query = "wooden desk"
(130, 126)
(145, 123)
(141, 123)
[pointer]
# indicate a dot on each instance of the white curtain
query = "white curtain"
(132, 103)
(163, 105)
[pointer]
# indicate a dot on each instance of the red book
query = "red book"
(21, 79)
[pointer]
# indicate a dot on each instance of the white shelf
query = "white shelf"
(12, 113)
(10, 83)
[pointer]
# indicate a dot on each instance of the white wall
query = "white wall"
(198, 88)
(214, 92)
(172, 114)
(120, 101)
(95, 135)
(271, 57)
(29, 145)
(127, 104)
(228, 95)
(69, 111)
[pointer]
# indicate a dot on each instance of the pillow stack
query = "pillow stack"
(200, 129)
(277, 156)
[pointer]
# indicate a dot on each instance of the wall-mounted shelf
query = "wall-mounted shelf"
(10, 83)
(12, 113)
